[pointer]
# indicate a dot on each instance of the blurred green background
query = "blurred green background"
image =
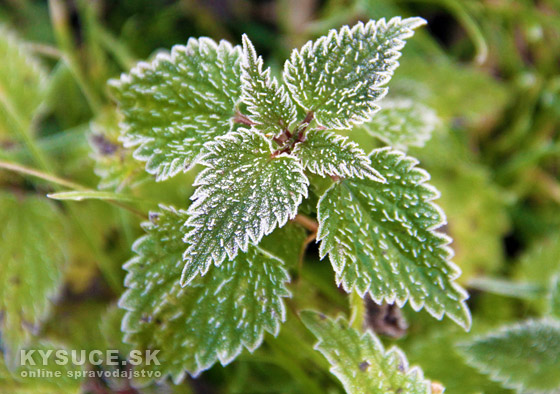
(488, 68)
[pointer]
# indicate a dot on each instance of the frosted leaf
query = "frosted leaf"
(176, 103)
(402, 123)
(360, 361)
(381, 239)
(32, 257)
(23, 82)
(244, 193)
(269, 105)
(522, 356)
(340, 77)
(325, 153)
(210, 320)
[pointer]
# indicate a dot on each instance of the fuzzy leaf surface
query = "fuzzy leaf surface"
(179, 101)
(32, 257)
(381, 239)
(23, 83)
(340, 76)
(269, 105)
(360, 361)
(210, 320)
(327, 154)
(243, 194)
(402, 123)
(522, 356)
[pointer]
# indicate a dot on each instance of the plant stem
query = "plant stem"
(357, 311)
(306, 222)
(41, 175)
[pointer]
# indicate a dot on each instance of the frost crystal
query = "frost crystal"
(243, 194)
(210, 320)
(381, 239)
(340, 77)
(176, 103)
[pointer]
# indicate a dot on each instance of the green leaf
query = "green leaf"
(23, 83)
(554, 296)
(244, 193)
(381, 239)
(435, 351)
(340, 77)
(325, 153)
(477, 225)
(270, 106)
(22, 381)
(359, 360)
(32, 256)
(210, 320)
(538, 264)
(521, 356)
(402, 123)
(176, 103)
(80, 195)
(506, 288)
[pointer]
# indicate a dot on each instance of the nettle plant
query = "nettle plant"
(202, 285)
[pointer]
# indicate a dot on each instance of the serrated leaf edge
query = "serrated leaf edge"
(342, 170)
(222, 356)
(249, 54)
(139, 142)
(415, 371)
(333, 34)
(392, 298)
(198, 198)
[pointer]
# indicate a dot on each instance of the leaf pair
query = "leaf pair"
(213, 318)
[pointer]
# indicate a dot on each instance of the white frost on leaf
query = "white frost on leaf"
(325, 153)
(269, 105)
(360, 361)
(178, 102)
(382, 239)
(243, 194)
(340, 77)
(214, 318)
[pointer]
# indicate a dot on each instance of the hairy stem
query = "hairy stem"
(306, 222)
